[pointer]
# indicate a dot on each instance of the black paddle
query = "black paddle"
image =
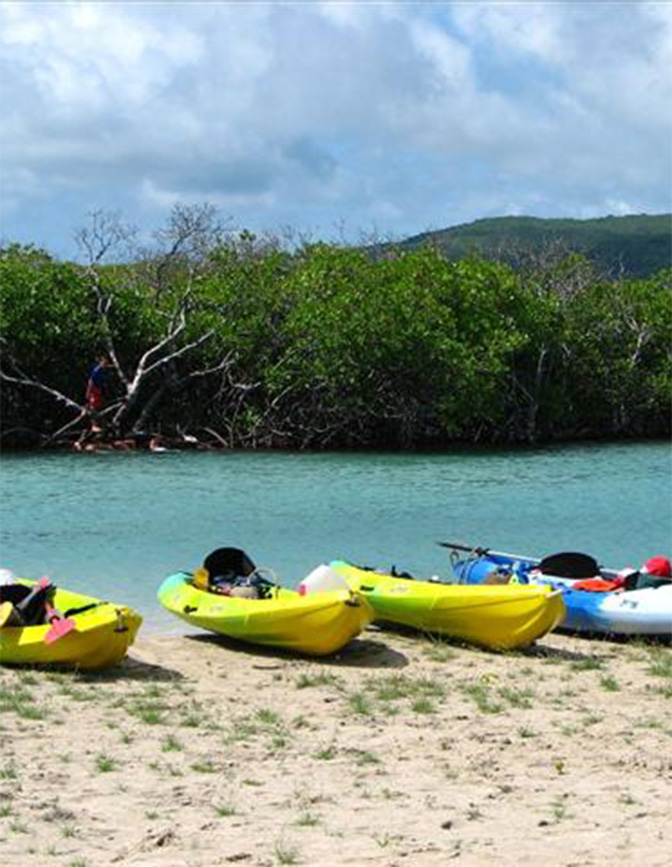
(568, 564)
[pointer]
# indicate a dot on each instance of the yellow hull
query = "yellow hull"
(317, 624)
(101, 638)
(492, 616)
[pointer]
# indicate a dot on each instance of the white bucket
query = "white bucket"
(321, 580)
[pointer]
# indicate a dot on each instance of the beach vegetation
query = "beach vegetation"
(360, 703)
(438, 650)
(170, 744)
(559, 809)
(18, 827)
(520, 698)
(326, 753)
(480, 692)
(204, 767)
(19, 700)
(308, 820)
(106, 763)
(423, 704)
(665, 690)
(591, 718)
(366, 757)
(660, 662)
(588, 663)
(286, 853)
(254, 344)
(267, 717)
(609, 683)
(9, 771)
(322, 678)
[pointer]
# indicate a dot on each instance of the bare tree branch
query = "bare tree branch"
(40, 386)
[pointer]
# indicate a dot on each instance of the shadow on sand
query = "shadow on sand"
(132, 669)
(359, 653)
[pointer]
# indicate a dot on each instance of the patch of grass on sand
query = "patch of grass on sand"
(308, 820)
(105, 763)
(18, 700)
(660, 662)
(204, 767)
(148, 706)
(588, 663)
(480, 693)
(400, 686)
(322, 678)
(525, 732)
(360, 704)
(267, 717)
(170, 744)
(559, 809)
(8, 771)
(521, 698)
(286, 853)
(438, 650)
(609, 683)
(326, 754)
(365, 757)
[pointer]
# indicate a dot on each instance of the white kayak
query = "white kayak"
(645, 612)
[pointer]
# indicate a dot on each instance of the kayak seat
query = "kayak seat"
(570, 564)
(28, 602)
(228, 564)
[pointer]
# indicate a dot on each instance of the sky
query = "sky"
(335, 120)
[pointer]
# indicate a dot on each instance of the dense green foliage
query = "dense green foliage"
(331, 348)
(635, 246)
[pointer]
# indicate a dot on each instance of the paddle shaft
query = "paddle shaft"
(457, 546)
(534, 561)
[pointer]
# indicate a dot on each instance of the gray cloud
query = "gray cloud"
(402, 116)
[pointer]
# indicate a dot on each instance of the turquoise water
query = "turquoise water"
(116, 524)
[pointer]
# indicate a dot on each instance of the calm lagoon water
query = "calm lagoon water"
(116, 524)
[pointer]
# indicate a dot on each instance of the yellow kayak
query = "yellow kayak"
(99, 633)
(496, 617)
(317, 624)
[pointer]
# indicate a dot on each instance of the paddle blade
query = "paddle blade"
(59, 629)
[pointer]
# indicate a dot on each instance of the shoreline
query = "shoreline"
(399, 750)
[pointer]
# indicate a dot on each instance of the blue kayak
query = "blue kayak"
(643, 612)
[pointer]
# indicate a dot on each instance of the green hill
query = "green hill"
(633, 246)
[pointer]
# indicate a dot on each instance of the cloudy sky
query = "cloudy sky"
(333, 118)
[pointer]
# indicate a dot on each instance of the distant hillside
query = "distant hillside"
(635, 245)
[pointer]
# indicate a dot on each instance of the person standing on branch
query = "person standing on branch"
(95, 387)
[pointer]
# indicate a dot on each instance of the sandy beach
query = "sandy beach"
(399, 751)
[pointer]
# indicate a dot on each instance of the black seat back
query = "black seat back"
(29, 602)
(570, 565)
(229, 564)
